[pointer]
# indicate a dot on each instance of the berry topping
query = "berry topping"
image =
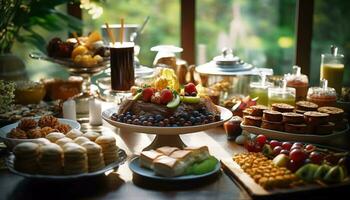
(190, 89)
(166, 96)
(147, 94)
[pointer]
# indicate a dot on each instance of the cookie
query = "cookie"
(92, 135)
(95, 156)
(61, 142)
(335, 114)
(293, 118)
(54, 136)
(272, 116)
(51, 159)
(109, 148)
(26, 155)
(306, 106)
(258, 110)
(27, 123)
(277, 126)
(316, 118)
(296, 128)
(42, 141)
(252, 121)
(48, 120)
(74, 133)
(282, 107)
(325, 129)
(80, 140)
(75, 159)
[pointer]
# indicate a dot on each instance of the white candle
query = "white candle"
(69, 110)
(95, 117)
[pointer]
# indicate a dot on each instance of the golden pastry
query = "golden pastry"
(48, 120)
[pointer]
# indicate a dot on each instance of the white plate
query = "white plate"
(225, 115)
(11, 142)
(121, 159)
(320, 139)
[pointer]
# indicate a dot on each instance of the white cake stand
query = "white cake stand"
(166, 136)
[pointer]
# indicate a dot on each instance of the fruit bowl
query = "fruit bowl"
(166, 136)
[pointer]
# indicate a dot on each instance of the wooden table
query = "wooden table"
(120, 185)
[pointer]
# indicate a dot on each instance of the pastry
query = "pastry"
(91, 135)
(48, 120)
(42, 141)
(296, 128)
(252, 121)
(26, 155)
(335, 114)
(63, 128)
(278, 126)
(199, 153)
(53, 137)
(166, 150)
(272, 116)
(61, 142)
(306, 106)
(74, 133)
(35, 133)
(50, 160)
(300, 111)
(184, 156)
(46, 130)
(80, 140)
(257, 110)
(95, 156)
(247, 112)
(75, 159)
(282, 107)
(293, 118)
(17, 133)
(27, 123)
(147, 158)
(325, 129)
(316, 118)
(169, 167)
(109, 148)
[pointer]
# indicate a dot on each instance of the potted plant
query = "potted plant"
(21, 21)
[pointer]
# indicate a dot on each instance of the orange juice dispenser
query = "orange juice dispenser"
(332, 69)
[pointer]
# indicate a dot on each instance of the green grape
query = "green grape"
(205, 166)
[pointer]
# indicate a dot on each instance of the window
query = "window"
(261, 32)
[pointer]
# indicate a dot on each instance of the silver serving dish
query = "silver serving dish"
(113, 166)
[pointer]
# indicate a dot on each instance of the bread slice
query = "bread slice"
(166, 150)
(199, 153)
(147, 158)
(168, 166)
(183, 156)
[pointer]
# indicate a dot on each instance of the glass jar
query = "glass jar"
(298, 81)
(281, 95)
(322, 96)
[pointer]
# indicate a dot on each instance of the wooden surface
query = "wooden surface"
(120, 184)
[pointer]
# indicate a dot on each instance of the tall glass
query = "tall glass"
(332, 69)
(122, 66)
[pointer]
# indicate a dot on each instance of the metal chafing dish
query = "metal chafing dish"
(229, 75)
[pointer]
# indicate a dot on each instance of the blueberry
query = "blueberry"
(205, 121)
(171, 119)
(182, 120)
(189, 123)
(166, 121)
(128, 117)
(142, 118)
(195, 113)
(136, 121)
(159, 117)
(151, 119)
(133, 116)
(217, 117)
(149, 124)
(129, 121)
(121, 115)
(174, 125)
(145, 123)
(198, 119)
(186, 124)
(161, 123)
(125, 119)
(192, 120)
(129, 113)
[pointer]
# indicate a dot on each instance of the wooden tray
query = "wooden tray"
(233, 170)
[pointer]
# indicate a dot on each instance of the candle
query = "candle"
(69, 110)
(95, 112)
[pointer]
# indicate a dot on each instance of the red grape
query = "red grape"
(316, 157)
(283, 151)
(297, 145)
(249, 145)
(274, 143)
(297, 155)
(286, 145)
(294, 166)
(277, 150)
(310, 148)
(261, 139)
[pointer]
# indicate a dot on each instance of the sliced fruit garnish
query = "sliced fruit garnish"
(190, 99)
(175, 102)
(137, 96)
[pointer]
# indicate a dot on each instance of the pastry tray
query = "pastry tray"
(233, 170)
(280, 135)
(113, 166)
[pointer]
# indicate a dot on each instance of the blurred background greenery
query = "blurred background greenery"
(259, 31)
